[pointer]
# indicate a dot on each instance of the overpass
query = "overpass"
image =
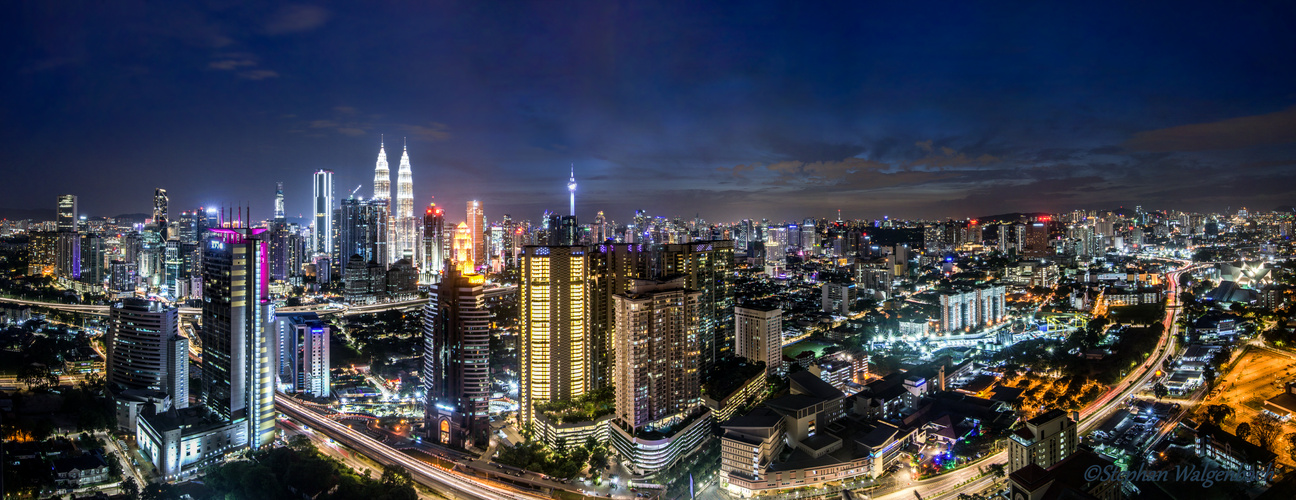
(453, 485)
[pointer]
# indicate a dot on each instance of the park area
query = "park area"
(806, 345)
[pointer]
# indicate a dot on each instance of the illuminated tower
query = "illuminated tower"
(160, 202)
(322, 236)
(433, 248)
(279, 202)
(463, 249)
(456, 360)
(382, 176)
(406, 226)
(554, 329)
(238, 373)
(571, 188)
(476, 222)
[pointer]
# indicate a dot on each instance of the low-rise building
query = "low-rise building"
(81, 471)
(179, 442)
(1231, 451)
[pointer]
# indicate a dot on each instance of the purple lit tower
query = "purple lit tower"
(237, 332)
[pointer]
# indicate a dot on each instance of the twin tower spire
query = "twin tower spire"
(405, 226)
(404, 182)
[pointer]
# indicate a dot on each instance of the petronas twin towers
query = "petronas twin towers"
(403, 227)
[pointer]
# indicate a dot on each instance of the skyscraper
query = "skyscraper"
(456, 360)
(160, 203)
(302, 354)
(758, 335)
(237, 332)
(708, 267)
(407, 227)
(362, 230)
(476, 224)
(322, 236)
(433, 244)
(67, 213)
(145, 349)
(554, 330)
(67, 249)
(463, 249)
(657, 360)
(279, 202)
(382, 176)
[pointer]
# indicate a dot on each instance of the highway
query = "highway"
(1091, 416)
(455, 486)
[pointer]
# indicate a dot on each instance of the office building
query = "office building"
(554, 328)
(362, 230)
(302, 353)
(838, 298)
(322, 233)
(160, 218)
(67, 213)
(68, 254)
(435, 244)
(407, 227)
(476, 225)
(758, 335)
(1045, 440)
(42, 253)
(382, 176)
(707, 266)
(1036, 243)
(456, 361)
(146, 351)
(237, 333)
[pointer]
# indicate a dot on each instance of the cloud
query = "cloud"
(947, 157)
(230, 64)
(259, 74)
(296, 19)
(49, 64)
(433, 132)
(323, 124)
(1234, 133)
(824, 172)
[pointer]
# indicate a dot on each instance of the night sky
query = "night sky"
(779, 111)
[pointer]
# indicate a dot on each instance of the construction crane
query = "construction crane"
(353, 191)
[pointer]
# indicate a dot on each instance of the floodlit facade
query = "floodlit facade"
(145, 349)
(456, 360)
(758, 335)
(302, 353)
(966, 309)
(554, 328)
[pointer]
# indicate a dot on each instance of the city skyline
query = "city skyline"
(734, 113)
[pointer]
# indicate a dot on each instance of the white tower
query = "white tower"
(407, 236)
(571, 188)
(382, 176)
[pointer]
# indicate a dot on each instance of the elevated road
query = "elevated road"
(449, 483)
(966, 479)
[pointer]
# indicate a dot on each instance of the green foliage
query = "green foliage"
(589, 406)
(275, 475)
(1217, 414)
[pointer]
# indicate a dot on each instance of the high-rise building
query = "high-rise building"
(382, 176)
(1045, 440)
(456, 360)
(613, 269)
(160, 218)
(362, 230)
(463, 249)
(407, 227)
(969, 308)
(707, 267)
(554, 328)
(659, 414)
(302, 352)
(238, 377)
(67, 213)
(434, 244)
(1037, 239)
(476, 225)
(146, 351)
(758, 334)
(278, 203)
(92, 259)
(322, 234)
(657, 361)
(838, 298)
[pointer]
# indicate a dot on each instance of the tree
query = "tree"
(1291, 445)
(129, 488)
(997, 469)
(1265, 429)
(1160, 390)
(395, 476)
(1217, 414)
(158, 491)
(300, 443)
(1243, 431)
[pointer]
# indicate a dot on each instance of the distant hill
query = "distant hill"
(35, 214)
(1285, 208)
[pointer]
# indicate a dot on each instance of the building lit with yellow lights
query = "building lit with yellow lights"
(463, 249)
(554, 328)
